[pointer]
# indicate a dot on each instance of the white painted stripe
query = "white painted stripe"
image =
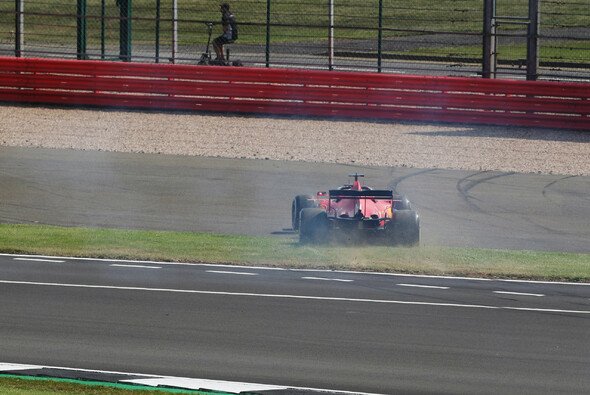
(201, 384)
(131, 261)
(13, 366)
(327, 279)
(518, 293)
(422, 286)
(286, 296)
(16, 366)
(226, 272)
(38, 260)
(305, 270)
(135, 266)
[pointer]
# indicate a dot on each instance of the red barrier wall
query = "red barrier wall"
(300, 92)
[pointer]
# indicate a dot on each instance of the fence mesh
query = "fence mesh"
(442, 37)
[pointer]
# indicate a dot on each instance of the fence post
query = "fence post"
(380, 38)
(125, 30)
(331, 35)
(158, 31)
(174, 30)
(81, 31)
(532, 52)
(103, 14)
(489, 39)
(267, 52)
(19, 28)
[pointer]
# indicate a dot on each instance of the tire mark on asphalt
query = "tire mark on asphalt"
(585, 197)
(396, 181)
(568, 208)
(465, 184)
(546, 187)
(394, 184)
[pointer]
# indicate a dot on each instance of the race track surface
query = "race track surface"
(343, 331)
(166, 192)
(388, 334)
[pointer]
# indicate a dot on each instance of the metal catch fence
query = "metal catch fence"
(446, 37)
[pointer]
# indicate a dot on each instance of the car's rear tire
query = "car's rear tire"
(405, 228)
(299, 203)
(401, 203)
(314, 226)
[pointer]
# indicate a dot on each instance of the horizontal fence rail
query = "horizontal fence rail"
(295, 92)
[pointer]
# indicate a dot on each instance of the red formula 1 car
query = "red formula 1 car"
(353, 213)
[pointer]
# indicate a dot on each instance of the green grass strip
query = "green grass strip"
(31, 385)
(281, 251)
(554, 51)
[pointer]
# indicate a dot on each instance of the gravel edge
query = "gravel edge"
(395, 144)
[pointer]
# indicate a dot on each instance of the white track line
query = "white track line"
(202, 384)
(227, 272)
(301, 270)
(38, 260)
(16, 366)
(327, 279)
(422, 286)
(286, 296)
(181, 382)
(518, 293)
(135, 266)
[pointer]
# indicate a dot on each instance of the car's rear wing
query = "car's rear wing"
(364, 194)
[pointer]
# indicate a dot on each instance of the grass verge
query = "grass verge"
(288, 253)
(23, 385)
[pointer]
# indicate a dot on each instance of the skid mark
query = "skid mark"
(466, 184)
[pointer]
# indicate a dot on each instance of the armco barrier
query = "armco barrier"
(299, 92)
